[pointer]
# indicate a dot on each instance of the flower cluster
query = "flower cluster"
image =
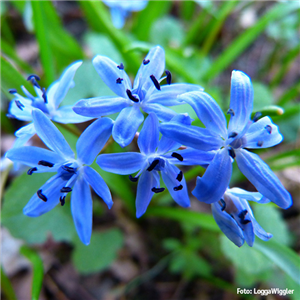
(165, 140)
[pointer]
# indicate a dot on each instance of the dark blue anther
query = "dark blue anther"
(153, 165)
(146, 61)
(231, 152)
(33, 76)
(33, 79)
(259, 143)
(45, 163)
(119, 80)
(120, 66)
(269, 128)
(223, 204)
(230, 112)
(232, 134)
(177, 155)
(169, 77)
(19, 104)
(44, 95)
(30, 171)
(41, 195)
(12, 91)
(133, 179)
(131, 97)
(66, 189)
(257, 116)
(62, 200)
(178, 188)
(69, 169)
(155, 82)
(242, 216)
(179, 176)
(157, 190)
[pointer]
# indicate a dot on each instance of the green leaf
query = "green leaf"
(38, 270)
(58, 222)
(6, 287)
(282, 256)
(101, 252)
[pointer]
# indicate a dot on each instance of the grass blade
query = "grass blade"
(6, 287)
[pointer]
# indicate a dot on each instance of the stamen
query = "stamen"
(231, 152)
(33, 76)
(33, 79)
(146, 61)
(178, 188)
(259, 143)
(169, 77)
(69, 169)
(269, 128)
(66, 189)
(45, 163)
(157, 190)
(257, 116)
(44, 96)
(30, 171)
(179, 176)
(119, 80)
(11, 116)
(242, 216)
(120, 66)
(177, 155)
(19, 104)
(232, 134)
(133, 179)
(41, 196)
(156, 83)
(12, 91)
(153, 165)
(62, 200)
(223, 204)
(131, 97)
(230, 112)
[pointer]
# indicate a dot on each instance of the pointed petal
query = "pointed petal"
(66, 115)
(23, 114)
(212, 185)
(164, 114)
(228, 225)
(98, 184)
(93, 139)
(168, 94)
(155, 67)
(65, 82)
(149, 135)
(100, 106)
(207, 110)
(169, 175)
(241, 101)
(82, 210)
(262, 177)
(26, 130)
(126, 125)
(249, 196)
(262, 134)
(109, 72)
(191, 136)
(50, 135)
(121, 163)
(144, 193)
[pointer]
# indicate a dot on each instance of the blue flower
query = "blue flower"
(235, 218)
(120, 10)
(47, 101)
(146, 94)
(242, 133)
(71, 174)
(155, 156)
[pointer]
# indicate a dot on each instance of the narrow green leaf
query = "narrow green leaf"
(290, 95)
(285, 258)
(38, 270)
(6, 287)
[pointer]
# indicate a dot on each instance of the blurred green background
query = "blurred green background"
(170, 253)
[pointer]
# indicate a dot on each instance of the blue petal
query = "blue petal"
(168, 94)
(23, 114)
(213, 184)
(192, 136)
(121, 163)
(100, 106)
(262, 131)
(66, 115)
(82, 210)
(262, 177)
(169, 175)
(249, 196)
(164, 114)
(118, 16)
(51, 189)
(109, 72)
(228, 225)
(50, 135)
(149, 135)
(126, 125)
(155, 67)
(207, 110)
(26, 130)
(93, 139)
(241, 101)
(65, 82)
(144, 193)
(98, 184)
